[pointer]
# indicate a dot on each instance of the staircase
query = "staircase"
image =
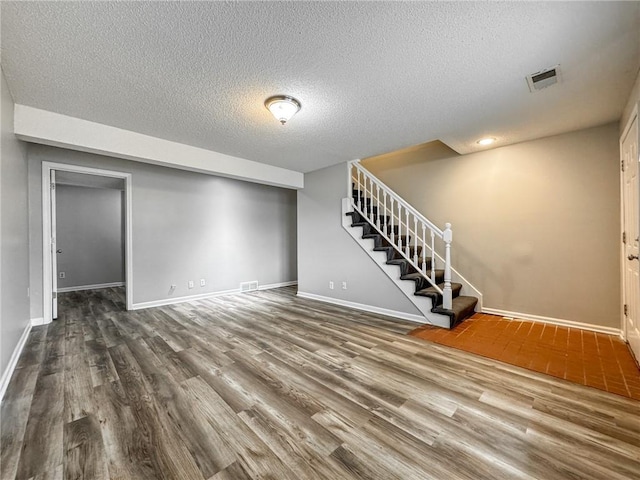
(404, 244)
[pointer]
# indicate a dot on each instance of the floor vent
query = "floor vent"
(544, 78)
(249, 286)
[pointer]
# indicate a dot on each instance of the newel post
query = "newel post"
(447, 297)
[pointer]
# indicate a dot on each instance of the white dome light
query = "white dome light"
(282, 107)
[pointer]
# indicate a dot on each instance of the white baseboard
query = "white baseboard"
(13, 361)
(277, 285)
(554, 321)
(188, 298)
(36, 322)
(201, 296)
(90, 287)
(367, 308)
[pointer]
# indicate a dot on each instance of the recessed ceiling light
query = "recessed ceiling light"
(283, 107)
(486, 141)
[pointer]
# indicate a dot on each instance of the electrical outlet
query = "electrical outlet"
(202, 282)
(330, 285)
(62, 275)
(191, 284)
(344, 285)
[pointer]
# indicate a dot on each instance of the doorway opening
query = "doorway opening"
(86, 236)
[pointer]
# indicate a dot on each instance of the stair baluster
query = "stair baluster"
(370, 197)
(360, 195)
(399, 227)
(378, 206)
(415, 232)
(365, 201)
(392, 222)
(424, 249)
(406, 224)
(433, 257)
(384, 211)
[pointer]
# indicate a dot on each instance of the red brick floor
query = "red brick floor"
(580, 356)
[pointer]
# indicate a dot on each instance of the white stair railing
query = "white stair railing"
(394, 218)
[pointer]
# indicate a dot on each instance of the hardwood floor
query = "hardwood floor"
(270, 386)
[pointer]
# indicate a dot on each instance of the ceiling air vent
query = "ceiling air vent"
(544, 78)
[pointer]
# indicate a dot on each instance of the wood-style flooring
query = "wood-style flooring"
(270, 386)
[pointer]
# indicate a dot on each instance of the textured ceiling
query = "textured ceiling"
(372, 77)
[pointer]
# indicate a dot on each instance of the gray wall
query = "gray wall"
(186, 226)
(326, 252)
(90, 234)
(14, 234)
(536, 225)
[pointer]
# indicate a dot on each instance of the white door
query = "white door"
(54, 250)
(631, 216)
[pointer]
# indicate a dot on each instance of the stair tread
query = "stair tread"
(360, 219)
(399, 261)
(459, 303)
(411, 247)
(413, 276)
(461, 308)
(375, 233)
(396, 261)
(431, 291)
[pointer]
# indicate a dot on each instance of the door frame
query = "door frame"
(625, 131)
(52, 211)
(47, 281)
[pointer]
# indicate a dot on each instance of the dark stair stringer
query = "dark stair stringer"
(462, 306)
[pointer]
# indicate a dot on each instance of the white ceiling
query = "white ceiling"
(372, 77)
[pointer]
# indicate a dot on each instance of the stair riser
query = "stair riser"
(366, 206)
(383, 219)
(406, 268)
(357, 218)
(464, 310)
(363, 203)
(385, 243)
(392, 254)
(422, 283)
(436, 298)
(412, 251)
(361, 199)
(371, 232)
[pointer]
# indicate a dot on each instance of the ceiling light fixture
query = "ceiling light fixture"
(283, 107)
(486, 141)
